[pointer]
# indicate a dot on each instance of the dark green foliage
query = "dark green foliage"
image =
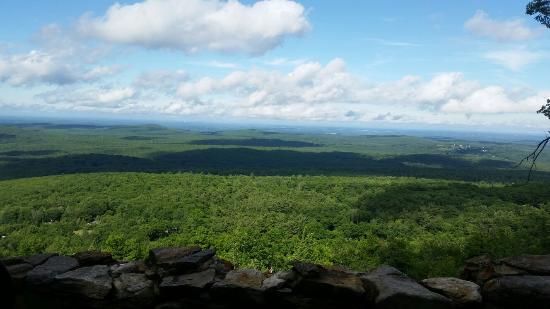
(541, 10)
(230, 161)
(424, 227)
(254, 142)
(17, 153)
(139, 138)
(6, 136)
(545, 109)
(47, 149)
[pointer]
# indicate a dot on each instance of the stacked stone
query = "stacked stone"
(195, 278)
(514, 282)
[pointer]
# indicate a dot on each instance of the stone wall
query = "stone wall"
(195, 278)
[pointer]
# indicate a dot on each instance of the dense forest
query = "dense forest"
(264, 199)
(425, 227)
(52, 149)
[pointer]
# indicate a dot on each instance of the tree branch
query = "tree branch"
(533, 156)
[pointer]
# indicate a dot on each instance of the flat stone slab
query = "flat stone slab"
(19, 270)
(138, 267)
(518, 291)
(463, 293)
(332, 284)
(38, 259)
(90, 282)
(55, 265)
(240, 285)
(90, 258)
(161, 256)
(244, 278)
(279, 280)
(390, 288)
(189, 283)
(176, 261)
(534, 264)
(135, 288)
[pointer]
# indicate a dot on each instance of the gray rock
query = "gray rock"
(278, 280)
(38, 259)
(390, 288)
(18, 270)
(241, 285)
(533, 264)
(196, 260)
(333, 282)
(189, 284)
(518, 292)
(134, 290)
(90, 258)
(162, 256)
(308, 270)
(478, 269)
(45, 273)
(464, 293)
(243, 278)
(170, 305)
(506, 270)
(130, 267)
(8, 261)
(334, 288)
(90, 282)
(18, 273)
(175, 261)
(221, 266)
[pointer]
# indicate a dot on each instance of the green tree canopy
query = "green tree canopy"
(541, 10)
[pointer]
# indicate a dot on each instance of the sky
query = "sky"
(480, 64)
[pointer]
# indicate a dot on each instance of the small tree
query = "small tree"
(541, 10)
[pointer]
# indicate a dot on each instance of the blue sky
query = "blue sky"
(481, 64)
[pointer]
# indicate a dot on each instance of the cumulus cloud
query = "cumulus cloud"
(160, 79)
(311, 85)
(309, 91)
(43, 67)
(388, 116)
(308, 83)
(513, 59)
(104, 97)
(59, 58)
(284, 62)
(199, 25)
(494, 99)
(502, 30)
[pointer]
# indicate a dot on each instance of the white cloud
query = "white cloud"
(34, 67)
(90, 98)
(388, 116)
(307, 83)
(332, 91)
(493, 99)
(513, 59)
(284, 62)
(502, 30)
(310, 91)
(160, 79)
(43, 67)
(198, 25)
(221, 64)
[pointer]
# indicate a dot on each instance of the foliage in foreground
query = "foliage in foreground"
(424, 227)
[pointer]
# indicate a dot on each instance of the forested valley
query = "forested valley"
(129, 189)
